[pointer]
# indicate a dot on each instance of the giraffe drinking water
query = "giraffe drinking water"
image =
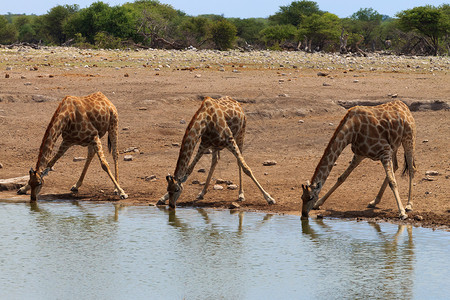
(80, 121)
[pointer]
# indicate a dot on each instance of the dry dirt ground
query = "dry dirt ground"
(292, 113)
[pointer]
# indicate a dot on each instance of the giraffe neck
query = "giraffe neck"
(52, 133)
(192, 135)
(341, 138)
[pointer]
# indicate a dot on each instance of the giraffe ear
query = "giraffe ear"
(45, 172)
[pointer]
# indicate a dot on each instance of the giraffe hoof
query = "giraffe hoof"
(74, 189)
(271, 201)
(199, 197)
(371, 205)
(123, 196)
(21, 192)
(403, 216)
(408, 208)
(161, 202)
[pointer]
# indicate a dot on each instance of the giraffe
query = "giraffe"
(219, 123)
(376, 133)
(81, 121)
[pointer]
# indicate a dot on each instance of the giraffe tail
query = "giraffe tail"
(109, 144)
(409, 166)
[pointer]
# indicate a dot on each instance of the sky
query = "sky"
(228, 8)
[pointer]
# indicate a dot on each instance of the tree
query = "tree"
(54, 20)
(323, 30)
(8, 33)
(429, 21)
(223, 34)
(295, 12)
(274, 35)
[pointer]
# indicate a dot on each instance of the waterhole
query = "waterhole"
(82, 250)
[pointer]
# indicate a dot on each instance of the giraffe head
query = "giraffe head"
(309, 197)
(174, 189)
(36, 181)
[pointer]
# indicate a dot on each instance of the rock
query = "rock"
(131, 149)
(1, 166)
(27, 83)
(232, 187)
(198, 75)
(217, 187)
(222, 181)
(330, 124)
(283, 95)
(431, 173)
(301, 121)
(269, 163)
(418, 218)
(6, 75)
(195, 181)
(175, 144)
(150, 178)
(75, 159)
(428, 178)
(142, 108)
(201, 170)
(128, 158)
(326, 84)
(126, 128)
(234, 205)
(182, 121)
(322, 74)
(355, 81)
(13, 183)
(126, 75)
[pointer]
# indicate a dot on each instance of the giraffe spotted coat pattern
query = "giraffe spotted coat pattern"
(80, 121)
(373, 132)
(219, 123)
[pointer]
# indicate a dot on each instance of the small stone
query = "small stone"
(6, 75)
(418, 218)
(195, 181)
(1, 166)
(355, 81)
(79, 159)
(217, 187)
(128, 158)
(234, 205)
(101, 191)
(330, 124)
(269, 163)
(428, 178)
(326, 84)
(201, 170)
(322, 74)
(150, 178)
(222, 181)
(222, 70)
(142, 108)
(176, 144)
(394, 95)
(198, 75)
(283, 95)
(232, 187)
(301, 121)
(431, 173)
(131, 149)
(23, 77)
(425, 141)
(126, 128)
(8, 68)
(27, 83)
(182, 121)
(126, 75)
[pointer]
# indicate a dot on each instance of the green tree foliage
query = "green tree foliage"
(8, 33)
(54, 20)
(249, 29)
(196, 30)
(429, 21)
(322, 29)
(295, 12)
(223, 34)
(275, 35)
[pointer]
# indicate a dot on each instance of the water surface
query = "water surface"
(82, 250)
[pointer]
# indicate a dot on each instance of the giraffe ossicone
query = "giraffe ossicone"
(219, 124)
(80, 121)
(374, 132)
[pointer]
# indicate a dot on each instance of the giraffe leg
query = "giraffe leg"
(411, 168)
(62, 149)
(99, 150)
(377, 199)
(112, 141)
(232, 146)
(353, 164)
(241, 189)
(89, 158)
(214, 162)
(387, 164)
